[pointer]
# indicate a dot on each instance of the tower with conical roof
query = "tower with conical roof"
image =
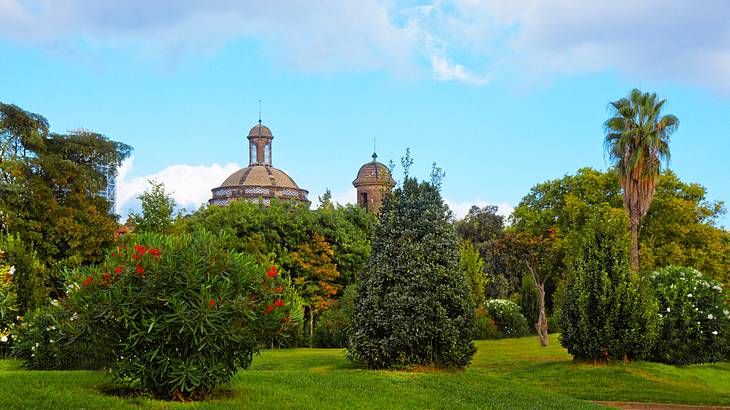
(259, 182)
(372, 183)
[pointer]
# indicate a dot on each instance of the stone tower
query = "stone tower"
(372, 182)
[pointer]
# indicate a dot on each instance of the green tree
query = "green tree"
(472, 266)
(157, 208)
(412, 306)
(49, 185)
(637, 141)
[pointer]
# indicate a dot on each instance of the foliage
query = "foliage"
(679, 228)
(29, 278)
(507, 317)
(50, 338)
(696, 317)
(317, 273)
(529, 304)
(484, 326)
(276, 232)
(49, 184)
(412, 306)
(157, 208)
(333, 326)
(637, 140)
(607, 311)
(8, 308)
(484, 228)
(181, 313)
(472, 266)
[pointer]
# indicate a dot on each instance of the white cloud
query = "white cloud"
(685, 41)
(446, 70)
(460, 209)
(190, 184)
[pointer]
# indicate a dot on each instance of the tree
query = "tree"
(315, 278)
(49, 184)
(536, 254)
(472, 266)
(157, 208)
(637, 141)
(412, 306)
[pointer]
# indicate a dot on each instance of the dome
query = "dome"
(257, 175)
(260, 130)
(373, 173)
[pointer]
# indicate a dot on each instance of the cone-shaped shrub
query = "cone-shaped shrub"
(608, 313)
(413, 306)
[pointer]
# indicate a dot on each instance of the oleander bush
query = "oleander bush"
(507, 317)
(413, 306)
(607, 312)
(181, 314)
(695, 317)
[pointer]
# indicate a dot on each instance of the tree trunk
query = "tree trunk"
(311, 327)
(635, 218)
(541, 326)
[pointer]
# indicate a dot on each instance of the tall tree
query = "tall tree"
(637, 141)
(157, 208)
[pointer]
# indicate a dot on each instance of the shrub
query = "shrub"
(507, 317)
(333, 325)
(413, 306)
(696, 318)
(607, 312)
(49, 339)
(181, 314)
(8, 308)
(29, 275)
(484, 326)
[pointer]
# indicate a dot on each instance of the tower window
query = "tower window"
(364, 200)
(267, 153)
(254, 153)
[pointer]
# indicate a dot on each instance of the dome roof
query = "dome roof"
(374, 173)
(260, 130)
(260, 176)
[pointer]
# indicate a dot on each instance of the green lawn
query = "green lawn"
(512, 373)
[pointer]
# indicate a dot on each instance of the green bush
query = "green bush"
(413, 306)
(606, 312)
(507, 317)
(332, 327)
(8, 308)
(181, 314)
(50, 338)
(29, 276)
(695, 317)
(484, 326)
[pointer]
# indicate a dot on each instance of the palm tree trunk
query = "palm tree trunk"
(635, 218)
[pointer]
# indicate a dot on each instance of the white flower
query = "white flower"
(33, 355)
(4, 339)
(36, 344)
(726, 312)
(669, 310)
(51, 340)
(32, 348)
(689, 295)
(714, 332)
(717, 287)
(12, 270)
(54, 302)
(710, 316)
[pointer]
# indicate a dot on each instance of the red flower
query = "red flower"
(269, 309)
(118, 269)
(107, 276)
(114, 254)
(154, 252)
(279, 289)
(135, 256)
(212, 302)
(285, 319)
(90, 279)
(140, 269)
(279, 303)
(272, 272)
(141, 249)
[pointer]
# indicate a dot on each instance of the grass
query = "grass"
(510, 373)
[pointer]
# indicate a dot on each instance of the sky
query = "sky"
(502, 95)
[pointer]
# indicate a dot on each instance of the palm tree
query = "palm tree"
(637, 141)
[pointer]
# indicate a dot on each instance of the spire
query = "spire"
(375, 155)
(259, 112)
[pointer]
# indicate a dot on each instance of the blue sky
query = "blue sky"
(502, 95)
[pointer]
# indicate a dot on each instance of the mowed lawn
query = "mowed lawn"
(511, 373)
